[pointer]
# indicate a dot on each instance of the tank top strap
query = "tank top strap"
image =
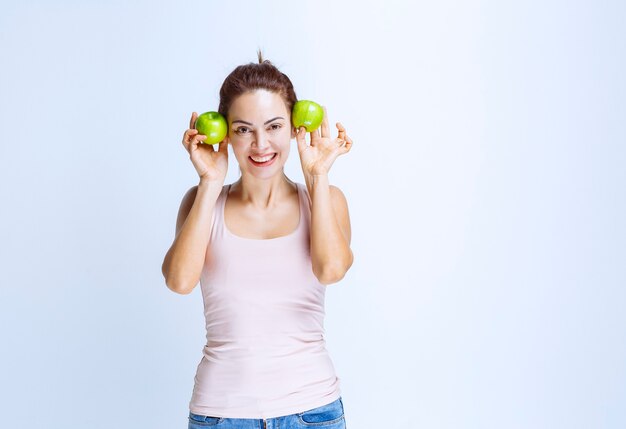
(305, 207)
(303, 193)
(217, 224)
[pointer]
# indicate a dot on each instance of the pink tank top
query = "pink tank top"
(265, 354)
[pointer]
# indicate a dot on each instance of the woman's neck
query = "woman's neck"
(262, 193)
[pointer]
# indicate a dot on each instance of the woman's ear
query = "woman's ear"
(293, 132)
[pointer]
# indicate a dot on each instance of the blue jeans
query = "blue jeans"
(329, 416)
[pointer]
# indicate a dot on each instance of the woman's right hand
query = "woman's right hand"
(210, 164)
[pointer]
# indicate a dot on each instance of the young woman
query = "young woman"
(263, 248)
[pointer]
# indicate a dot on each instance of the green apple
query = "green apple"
(213, 125)
(307, 114)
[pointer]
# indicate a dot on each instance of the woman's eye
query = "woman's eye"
(242, 130)
(275, 126)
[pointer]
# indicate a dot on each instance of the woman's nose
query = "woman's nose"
(261, 140)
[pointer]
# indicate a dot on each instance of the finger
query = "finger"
(223, 147)
(187, 136)
(325, 129)
(301, 139)
(348, 145)
(192, 121)
(197, 139)
(342, 131)
(315, 136)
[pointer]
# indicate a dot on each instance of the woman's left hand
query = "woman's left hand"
(317, 158)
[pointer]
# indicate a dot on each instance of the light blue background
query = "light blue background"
(486, 189)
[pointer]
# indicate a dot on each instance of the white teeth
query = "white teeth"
(265, 158)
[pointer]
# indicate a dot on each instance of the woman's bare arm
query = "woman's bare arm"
(183, 262)
(331, 255)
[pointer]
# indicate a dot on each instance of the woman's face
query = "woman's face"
(260, 132)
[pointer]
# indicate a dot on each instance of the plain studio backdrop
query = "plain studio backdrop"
(486, 189)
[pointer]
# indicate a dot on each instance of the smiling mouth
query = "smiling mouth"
(263, 160)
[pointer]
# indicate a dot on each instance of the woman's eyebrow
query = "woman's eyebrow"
(266, 122)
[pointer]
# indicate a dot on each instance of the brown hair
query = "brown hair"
(252, 76)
